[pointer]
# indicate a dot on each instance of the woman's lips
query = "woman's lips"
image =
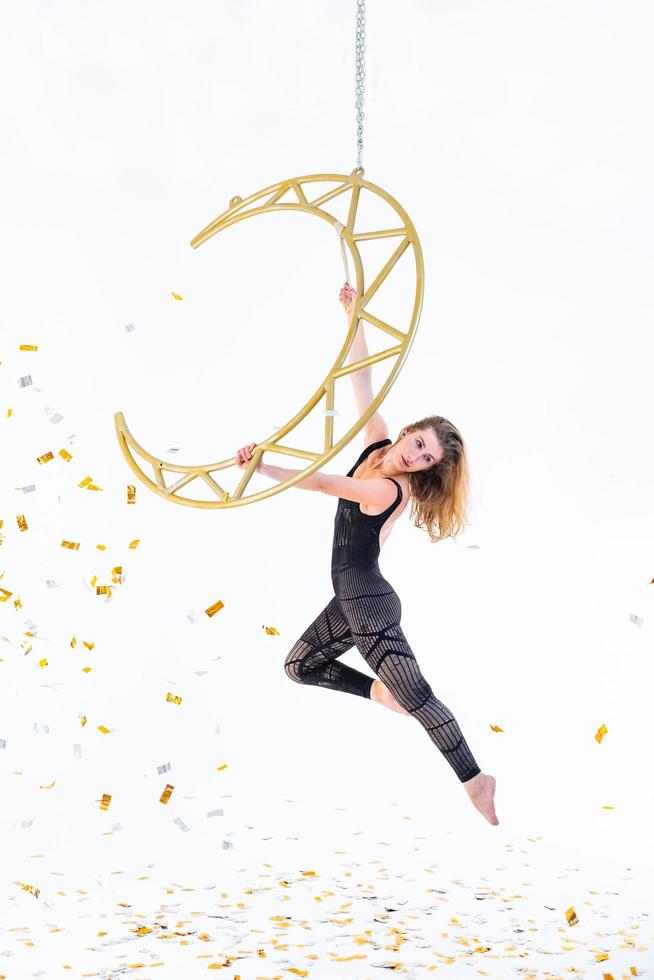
(405, 462)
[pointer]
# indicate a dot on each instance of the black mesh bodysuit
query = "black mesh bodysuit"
(366, 611)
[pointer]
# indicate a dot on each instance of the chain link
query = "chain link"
(360, 74)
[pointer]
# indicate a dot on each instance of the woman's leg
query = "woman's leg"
(375, 627)
(313, 658)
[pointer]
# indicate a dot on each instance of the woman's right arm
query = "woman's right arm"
(376, 427)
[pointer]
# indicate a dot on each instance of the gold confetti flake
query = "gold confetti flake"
(571, 916)
(28, 347)
(43, 662)
(10, 412)
(600, 733)
(220, 768)
(73, 545)
(103, 590)
(167, 793)
(49, 785)
(73, 642)
(32, 889)
(83, 720)
(4, 595)
(105, 731)
(131, 493)
(86, 670)
(101, 547)
(135, 543)
(214, 609)
(65, 455)
(174, 698)
(105, 801)
(496, 728)
(89, 646)
(88, 484)
(177, 296)
(22, 523)
(45, 458)
(270, 630)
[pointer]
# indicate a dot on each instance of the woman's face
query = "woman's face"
(417, 450)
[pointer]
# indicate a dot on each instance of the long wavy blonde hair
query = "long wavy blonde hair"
(441, 493)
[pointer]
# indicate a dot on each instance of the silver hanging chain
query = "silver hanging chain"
(360, 74)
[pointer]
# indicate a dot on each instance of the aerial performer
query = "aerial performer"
(427, 465)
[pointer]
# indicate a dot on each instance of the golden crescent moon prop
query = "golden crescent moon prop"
(298, 189)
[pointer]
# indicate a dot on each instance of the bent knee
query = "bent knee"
(294, 663)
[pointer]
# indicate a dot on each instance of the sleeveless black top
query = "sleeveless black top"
(356, 535)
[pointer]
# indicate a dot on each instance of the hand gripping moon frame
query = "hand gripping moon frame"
(270, 199)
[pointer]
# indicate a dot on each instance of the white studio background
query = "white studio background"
(517, 135)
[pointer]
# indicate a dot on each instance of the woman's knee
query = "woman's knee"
(294, 662)
(411, 691)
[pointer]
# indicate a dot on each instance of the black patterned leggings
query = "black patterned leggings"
(374, 626)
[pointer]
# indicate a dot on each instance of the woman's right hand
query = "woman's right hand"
(347, 297)
(244, 455)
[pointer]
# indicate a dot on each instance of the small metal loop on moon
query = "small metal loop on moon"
(235, 200)
(357, 172)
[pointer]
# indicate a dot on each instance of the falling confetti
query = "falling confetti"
(636, 620)
(167, 793)
(174, 698)
(88, 484)
(270, 630)
(29, 888)
(214, 609)
(600, 733)
(105, 801)
(177, 296)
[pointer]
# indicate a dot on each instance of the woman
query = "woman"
(426, 464)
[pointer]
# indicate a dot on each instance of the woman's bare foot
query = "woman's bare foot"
(380, 693)
(481, 790)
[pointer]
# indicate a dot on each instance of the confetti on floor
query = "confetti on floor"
(370, 905)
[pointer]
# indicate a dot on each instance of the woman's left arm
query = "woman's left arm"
(376, 491)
